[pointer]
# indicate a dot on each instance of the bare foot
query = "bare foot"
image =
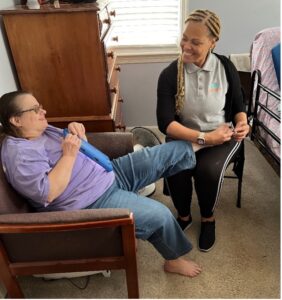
(183, 267)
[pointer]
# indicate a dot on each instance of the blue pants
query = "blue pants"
(153, 221)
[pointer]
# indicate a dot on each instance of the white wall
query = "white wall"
(241, 20)
(138, 84)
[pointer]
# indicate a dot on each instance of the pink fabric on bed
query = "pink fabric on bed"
(261, 59)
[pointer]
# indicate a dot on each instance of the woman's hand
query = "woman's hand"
(77, 129)
(70, 145)
(60, 175)
(221, 134)
(241, 130)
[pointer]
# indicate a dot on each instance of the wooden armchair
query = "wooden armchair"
(66, 241)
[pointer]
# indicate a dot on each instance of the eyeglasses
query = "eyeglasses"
(36, 109)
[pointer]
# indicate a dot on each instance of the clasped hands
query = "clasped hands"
(71, 143)
(226, 132)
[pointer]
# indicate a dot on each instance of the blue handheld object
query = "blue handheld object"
(95, 154)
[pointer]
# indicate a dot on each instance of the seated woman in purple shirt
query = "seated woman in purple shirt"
(52, 174)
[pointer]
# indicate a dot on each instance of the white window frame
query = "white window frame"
(149, 53)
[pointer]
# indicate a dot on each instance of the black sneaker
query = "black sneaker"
(207, 236)
(184, 224)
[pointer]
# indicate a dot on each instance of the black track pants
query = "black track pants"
(208, 177)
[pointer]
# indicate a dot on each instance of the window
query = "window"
(147, 29)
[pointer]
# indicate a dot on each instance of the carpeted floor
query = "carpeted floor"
(245, 262)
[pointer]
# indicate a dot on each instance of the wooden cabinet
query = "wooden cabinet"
(60, 56)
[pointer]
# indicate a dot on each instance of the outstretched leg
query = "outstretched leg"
(155, 223)
(138, 169)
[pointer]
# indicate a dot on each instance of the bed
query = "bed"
(264, 107)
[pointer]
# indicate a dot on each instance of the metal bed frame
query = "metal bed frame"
(258, 87)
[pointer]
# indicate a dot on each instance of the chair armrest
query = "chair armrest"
(44, 237)
(54, 221)
(113, 144)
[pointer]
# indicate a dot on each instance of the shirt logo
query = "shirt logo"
(214, 87)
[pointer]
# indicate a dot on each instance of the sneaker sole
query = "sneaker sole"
(187, 227)
(206, 250)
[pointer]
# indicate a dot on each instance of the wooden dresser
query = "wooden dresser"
(61, 56)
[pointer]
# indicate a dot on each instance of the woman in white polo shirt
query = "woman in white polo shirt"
(200, 100)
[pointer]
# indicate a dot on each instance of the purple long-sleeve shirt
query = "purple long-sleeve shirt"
(27, 163)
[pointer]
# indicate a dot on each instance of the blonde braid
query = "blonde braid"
(180, 95)
(212, 21)
(209, 18)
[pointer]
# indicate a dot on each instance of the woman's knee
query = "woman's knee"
(208, 172)
(181, 155)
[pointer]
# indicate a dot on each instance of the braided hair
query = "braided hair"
(212, 22)
(208, 18)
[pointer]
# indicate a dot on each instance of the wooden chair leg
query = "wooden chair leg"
(8, 279)
(129, 248)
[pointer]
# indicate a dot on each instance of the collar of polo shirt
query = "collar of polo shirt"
(208, 66)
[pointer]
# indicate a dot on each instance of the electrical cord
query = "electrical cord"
(80, 287)
(72, 282)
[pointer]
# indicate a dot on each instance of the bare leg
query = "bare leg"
(210, 219)
(184, 218)
(183, 267)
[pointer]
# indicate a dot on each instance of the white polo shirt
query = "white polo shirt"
(205, 90)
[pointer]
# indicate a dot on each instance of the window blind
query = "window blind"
(146, 22)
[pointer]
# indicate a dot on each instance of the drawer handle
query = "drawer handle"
(117, 68)
(113, 90)
(110, 54)
(113, 13)
(107, 21)
(120, 100)
(115, 39)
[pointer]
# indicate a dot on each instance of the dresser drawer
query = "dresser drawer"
(119, 122)
(105, 16)
(104, 22)
(111, 39)
(116, 113)
(114, 91)
(114, 79)
(111, 64)
(114, 82)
